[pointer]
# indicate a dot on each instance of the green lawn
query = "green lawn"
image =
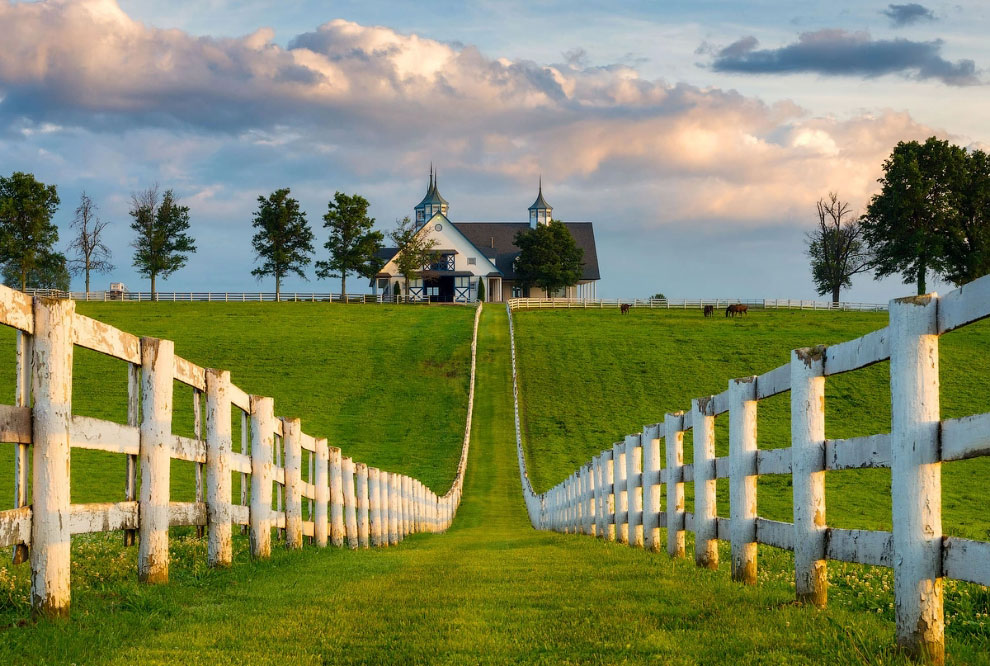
(490, 590)
(387, 384)
(590, 377)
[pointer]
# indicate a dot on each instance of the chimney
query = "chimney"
(493, 242)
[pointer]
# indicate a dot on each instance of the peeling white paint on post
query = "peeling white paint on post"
(336, 497)
(705, 507)
(219, 442)
(374, 507)
(383, 505)
(621, 496)
(157, 370)
(916, 477)
(291, 440)
(608, 469)
(393, 509)
(350, 502)
(742, 481)
(634, 481)
(808, 474)
(197, 404)
(262, 438)
(651, 487)
(22, 398)
(50, 419)
(321, 482)
(674, 447)
(133, 419)
(361, 475)
(406, 505)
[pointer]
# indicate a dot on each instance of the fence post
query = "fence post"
(596, 493)
(406, 527)
(218, 484)
(336, 497)
(742, 478)
(589, 500)
(321, 482)
(158, 368)
(609, 499)
(634, 481)
(51, 381)
(383, 506)
(808, 474)
(374, 507)
(621, 496)
(705, 508)
(350, 502)
(674, 447)
(291, 440)
(393, 509)
(21, 452)
(916, 477)
(262, 439)
(651, 489)
(133, 419)
(361, 483)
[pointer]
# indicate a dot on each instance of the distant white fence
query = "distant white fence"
(282, 466)
(218, 296)
(616, 495)
(688, 304)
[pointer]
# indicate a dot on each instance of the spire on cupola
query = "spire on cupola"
(432, 203)
(540, 212)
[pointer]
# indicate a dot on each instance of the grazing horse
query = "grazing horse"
(709, 310)
(624, 308)
(736, 308)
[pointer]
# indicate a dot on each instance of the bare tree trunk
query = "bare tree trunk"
(24, 279)
(278, 288)
(922, 270)
(835, 294)
(343, 286)
(87, 279)
(154, 292)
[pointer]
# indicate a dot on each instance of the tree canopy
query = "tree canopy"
(284, 240)
(162, 245)
(548, 258)
(353, 242)
(415, 250)
(27, 233)
(92, 254)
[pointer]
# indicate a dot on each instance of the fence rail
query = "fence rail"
(220, 296)
(281, 468)
(616, 495)
(687, 304)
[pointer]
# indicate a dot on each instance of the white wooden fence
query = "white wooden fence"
(279, 465)
(616, 495)
(687, 304)
(219, 296)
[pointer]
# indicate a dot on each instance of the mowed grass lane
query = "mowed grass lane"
(491, 590)
(387, 384)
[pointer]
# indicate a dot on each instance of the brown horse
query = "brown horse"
(736, 308)
(624, 308)
(709, 310)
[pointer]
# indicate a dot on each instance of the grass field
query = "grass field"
(387, 384)
(590, 377)
(491, 590)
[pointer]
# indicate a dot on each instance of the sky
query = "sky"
(697, 137)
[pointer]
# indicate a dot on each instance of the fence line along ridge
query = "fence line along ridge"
(280, 466)
(616, 495)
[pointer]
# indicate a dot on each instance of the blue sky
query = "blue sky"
(696, 137)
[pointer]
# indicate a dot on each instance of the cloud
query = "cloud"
(835, 52)
(901, 15)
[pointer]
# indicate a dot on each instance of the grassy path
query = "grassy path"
(491, 590)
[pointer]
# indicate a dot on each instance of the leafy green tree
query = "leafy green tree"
(92, 254)
(353, 243)
(481, 289)
(906, 223)
(50, 272)
(415, 250)
(27, 234)
(548, 258)
(836, 247)
(283, 241)
(965, 248)
(162, 245)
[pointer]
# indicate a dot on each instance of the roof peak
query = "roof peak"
(540, 203)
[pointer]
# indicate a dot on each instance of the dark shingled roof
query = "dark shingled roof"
(496, 240)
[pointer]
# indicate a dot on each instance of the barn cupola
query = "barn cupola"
(540, 211)
(432, 203)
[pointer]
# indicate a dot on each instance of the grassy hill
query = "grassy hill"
(590, 377)
(387, 384)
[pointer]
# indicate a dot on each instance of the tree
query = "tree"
(965, 252)
(284, 239)
(548, 258)
(91, 252)
(27, 234)
(49, 272)
(353, 243)
(415, 250)
(906, 223)
(836, 247)
(481, 289)
(162, 245)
